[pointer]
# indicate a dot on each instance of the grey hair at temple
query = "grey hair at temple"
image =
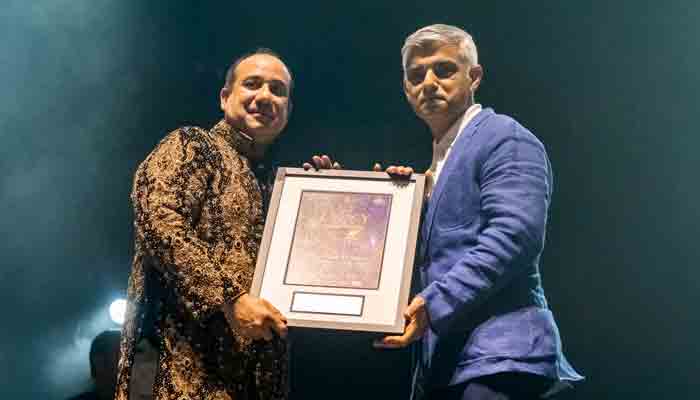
(441, 34)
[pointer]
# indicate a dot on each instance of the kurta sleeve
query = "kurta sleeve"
(170, 189)
(515, 181)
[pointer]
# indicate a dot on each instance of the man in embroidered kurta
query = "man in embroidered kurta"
(198, 223)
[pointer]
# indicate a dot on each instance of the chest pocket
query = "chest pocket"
(459, 204)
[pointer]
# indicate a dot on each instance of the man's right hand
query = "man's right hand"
(255, 318)
(321, 162)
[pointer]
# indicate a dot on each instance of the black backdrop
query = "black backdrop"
(611, 88)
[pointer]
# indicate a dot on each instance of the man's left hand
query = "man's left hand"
(417, 319)
(399, 172)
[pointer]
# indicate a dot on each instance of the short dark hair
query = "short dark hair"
(103, 344)
(231, 72)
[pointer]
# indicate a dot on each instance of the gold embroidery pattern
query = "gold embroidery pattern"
(198, 224)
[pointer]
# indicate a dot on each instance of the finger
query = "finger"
(390, 342)
(283, 318)
(266, 334)
(411, 310)
(404, 172)
(429, 178)
(272, 311)
(429, 181)
(377, 167)
(267, 328)
(336, 165)
(280, 327)
(277, 323)
(326, 161)
(275, 314)
(393, 342)
(317, 162)
(307, 166)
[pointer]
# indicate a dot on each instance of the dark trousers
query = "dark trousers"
(504, 386)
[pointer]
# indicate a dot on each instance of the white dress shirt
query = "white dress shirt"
(441, 149)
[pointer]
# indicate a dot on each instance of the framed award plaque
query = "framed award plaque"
(338, 248)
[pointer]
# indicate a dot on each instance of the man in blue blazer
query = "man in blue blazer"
(481, 312)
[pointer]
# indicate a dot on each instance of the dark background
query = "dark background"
(88, 87)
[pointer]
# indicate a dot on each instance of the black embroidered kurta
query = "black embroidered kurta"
(198, 224)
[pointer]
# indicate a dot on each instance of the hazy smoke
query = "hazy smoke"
(66, 89)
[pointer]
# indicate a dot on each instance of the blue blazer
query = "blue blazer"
(482, 236)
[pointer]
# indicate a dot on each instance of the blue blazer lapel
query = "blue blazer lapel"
(450, 165)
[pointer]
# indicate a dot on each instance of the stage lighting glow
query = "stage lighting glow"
(117, 311)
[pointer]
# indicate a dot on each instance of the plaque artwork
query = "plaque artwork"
(339, 240)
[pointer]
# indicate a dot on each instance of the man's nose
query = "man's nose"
(263, 99)
(430, 81)
(264, 95)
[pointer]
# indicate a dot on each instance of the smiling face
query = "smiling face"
(440, 85)
(257, 101)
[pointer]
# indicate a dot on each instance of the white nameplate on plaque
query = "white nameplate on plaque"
(322, 303)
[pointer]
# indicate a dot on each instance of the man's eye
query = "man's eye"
(444, 70)
(252, 83)
(278, 89)
(415, 76)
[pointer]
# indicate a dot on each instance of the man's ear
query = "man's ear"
(405, 90)
(476, 73)
(223, 97)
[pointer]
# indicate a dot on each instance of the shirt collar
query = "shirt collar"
(237, 139)
(447, 140)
